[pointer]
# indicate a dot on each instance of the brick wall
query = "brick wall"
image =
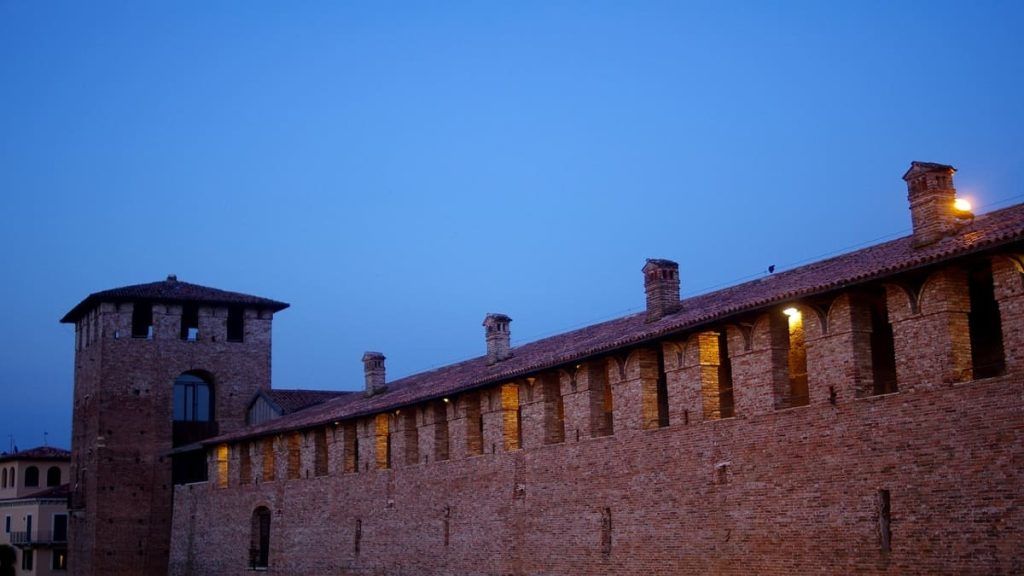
(121, 500)
(773, 490)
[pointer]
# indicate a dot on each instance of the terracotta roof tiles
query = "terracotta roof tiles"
(170, 290)
(984, 232)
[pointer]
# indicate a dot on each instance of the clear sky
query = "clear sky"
(397, 170)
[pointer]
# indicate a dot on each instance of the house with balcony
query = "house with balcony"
(34, 512)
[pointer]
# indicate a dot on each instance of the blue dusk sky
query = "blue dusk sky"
(397, 170)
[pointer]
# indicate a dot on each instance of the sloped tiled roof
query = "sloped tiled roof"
(37, 453)
(170, 290)
(288, 401)
(57, 492)
(985, 232)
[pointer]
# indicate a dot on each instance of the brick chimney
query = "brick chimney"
(498, 337)
(931, 194)
(661, 282)
(373, 370)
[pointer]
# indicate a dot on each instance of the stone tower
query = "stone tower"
(158, 367)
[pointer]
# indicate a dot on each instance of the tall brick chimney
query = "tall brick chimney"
(661, 282)
(373, 370)
(931, 194)
(498, 338)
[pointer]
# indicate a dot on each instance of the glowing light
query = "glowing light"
(446, 400)
(791, 312)
(962, 205)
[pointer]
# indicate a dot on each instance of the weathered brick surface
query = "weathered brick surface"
(773, 490)
(792, 492)
(121, 500)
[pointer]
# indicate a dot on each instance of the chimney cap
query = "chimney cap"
(918, 168)
(495, 318)
(369, 355)
(661, 263)
(172, 277)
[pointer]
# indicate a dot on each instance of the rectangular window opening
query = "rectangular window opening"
(789, 367)
(883, 348)
(383, 441)
(142, 320)
(411, 436)
(320, 462)
(294, 456)
(269, 460)
(351, 438)
(511, 417)
(661, 390)
(222, 465)
(244, 464)
(726, 402)
(474, 424)
(987, 355)
(554, 410)
(441, 438)
(884, 521)
(236, 324)
(190, 322)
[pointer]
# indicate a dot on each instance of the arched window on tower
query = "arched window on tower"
(53, 476)
(259, 539)
(193, 408)
(31, 477)
(3, 483)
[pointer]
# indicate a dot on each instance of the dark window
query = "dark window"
(3, 483)
(411, 436)
(320, 462)
(351, 438)
(142, 320)
(60, 527)
(987, 356)
(884, 521)
(192, 399)
(259, 540)
(189, 322)
(26, 560)
(294, 469)
(440, 430)
(244, 463)
(53, 476)
(60, 560)
(662, 390)
(554, 410)
(725, 398)
(7, 525)
(236, 324)
(883, 348)
(189, 467)
(474, 424)
(31, 477)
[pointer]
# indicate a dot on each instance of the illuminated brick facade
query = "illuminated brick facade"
(857, 415)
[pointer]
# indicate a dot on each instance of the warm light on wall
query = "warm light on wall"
(792, 313)
(962, 205)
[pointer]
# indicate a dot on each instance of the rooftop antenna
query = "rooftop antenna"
(45, 434)
(11, 438)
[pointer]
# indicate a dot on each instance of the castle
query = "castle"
(861, 414)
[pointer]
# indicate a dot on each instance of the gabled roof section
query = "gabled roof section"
(38, 453)
(287, 401)
(985, 232)
(173, 291)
